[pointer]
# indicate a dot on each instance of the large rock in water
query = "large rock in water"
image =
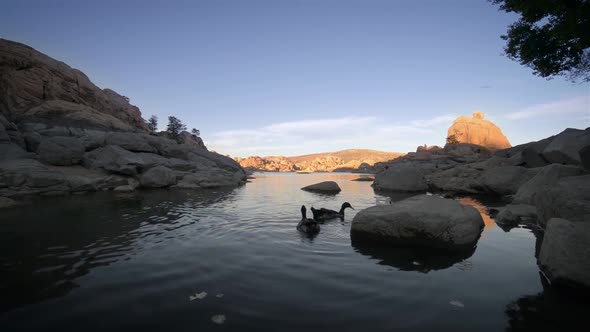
(565, 252)
(478, 131)
(420, 221)
(404, 179)
(61, 151)
(330, 187)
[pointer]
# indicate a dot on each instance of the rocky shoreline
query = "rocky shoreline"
(545, 184)
(61, 134)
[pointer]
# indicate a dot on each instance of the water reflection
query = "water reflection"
(412, 259)
(483, 211)
(550, 310)
(41, 257)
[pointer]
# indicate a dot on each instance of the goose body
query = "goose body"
(326, 214)
(309, 226)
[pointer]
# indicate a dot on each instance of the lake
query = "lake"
(109, 261)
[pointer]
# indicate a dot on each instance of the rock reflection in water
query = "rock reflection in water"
(412, 259)
(550, 310)
(39, 261)
(483, 211)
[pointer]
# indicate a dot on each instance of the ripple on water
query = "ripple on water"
(124, 262)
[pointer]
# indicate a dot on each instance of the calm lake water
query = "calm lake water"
(107, 262)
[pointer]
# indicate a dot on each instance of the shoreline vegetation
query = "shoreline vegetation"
(60, 134)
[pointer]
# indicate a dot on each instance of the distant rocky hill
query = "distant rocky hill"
(60, 133)
(345, 160)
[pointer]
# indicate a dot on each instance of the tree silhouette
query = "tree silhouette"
(552, 36)
(196, 132)
(174, 128)
(152, 123)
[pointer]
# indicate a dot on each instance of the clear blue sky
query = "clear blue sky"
(295, 77)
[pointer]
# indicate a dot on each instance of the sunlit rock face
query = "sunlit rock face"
(30, 79)
(476, 130)
(345, 160)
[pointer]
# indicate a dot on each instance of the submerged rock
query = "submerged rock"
(565, 252)
(323, 187)
(420, 221)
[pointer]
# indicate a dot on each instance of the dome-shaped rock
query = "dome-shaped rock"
(476, 130)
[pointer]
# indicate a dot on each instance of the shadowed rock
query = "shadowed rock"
(565, 147)
(514, 214)
(568, 198)
(403, 179)
(61, 151)
(565, 252)
(157, 177)
(420, 221)
(329, 187)
(547, 176)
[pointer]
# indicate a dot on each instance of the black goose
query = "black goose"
(309, 226)
(325, 214)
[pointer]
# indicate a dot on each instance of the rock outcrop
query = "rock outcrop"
(547, 176)
(568, 198)
(420, 221)
(565, 148)
(476, 130)
(402, 179)
(60, 133)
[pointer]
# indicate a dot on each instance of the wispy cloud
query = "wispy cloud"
(436, 121)
(321, 135)
(577, 105)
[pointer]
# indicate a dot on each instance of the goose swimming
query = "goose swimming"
(325, 214)
(309, 226)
